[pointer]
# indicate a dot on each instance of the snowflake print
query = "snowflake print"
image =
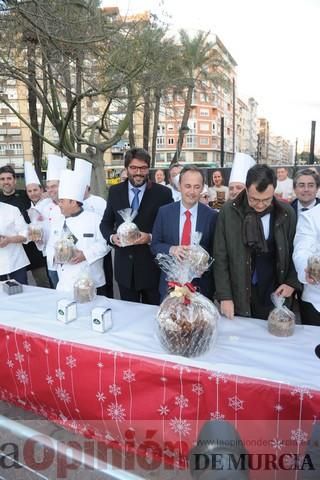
(163, 410)
(63, 417)
(293, 461)
(278, 407)
(63, 395)
(216, 415)
(71, 362)
(129, 376)
(299, 436)
(236, 403)
(26, 346)
(182, 401)
(49, 379)
(163, 379)
(197, 388)
(10, 363)
(22, 376)
(301, 391)
(277, 444)
(114, 389)
(74, 425)
(60, 374)
(181, 368)
(99, 364)
(101, 396)
(116, 412)
(180, 426)
(19, 357)
(46, 351)
(109, 437)
(218, 377)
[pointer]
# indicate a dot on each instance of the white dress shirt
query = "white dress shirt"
(12, 257)
(193, 218)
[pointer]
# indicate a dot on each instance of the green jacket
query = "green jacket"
(232, 259)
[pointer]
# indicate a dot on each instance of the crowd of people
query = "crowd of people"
(261, 231)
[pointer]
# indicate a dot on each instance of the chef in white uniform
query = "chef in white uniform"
(13, 232)
(50, 210)
(83, 228)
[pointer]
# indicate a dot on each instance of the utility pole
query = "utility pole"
(313, 134)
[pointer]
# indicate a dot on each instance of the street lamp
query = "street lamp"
(183, 130)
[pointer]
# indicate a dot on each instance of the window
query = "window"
(170, 126)
(199, 157)
(205, 127)
(204, 141)
(203, 97)
(160, 141)
(204, 112)
(170, 141)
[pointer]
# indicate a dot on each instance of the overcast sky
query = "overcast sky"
(276, 44)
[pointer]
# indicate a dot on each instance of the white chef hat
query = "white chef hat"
(56, 165)
(71, 186)
(30, 175)
(242, 162)
(83, 169)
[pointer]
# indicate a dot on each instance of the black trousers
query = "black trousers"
(309, 315)
(259, 309)
(150, 296)
(108, 271)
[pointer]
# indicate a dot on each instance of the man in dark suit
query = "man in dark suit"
(135, 269)
(306, 184)
(169, 227)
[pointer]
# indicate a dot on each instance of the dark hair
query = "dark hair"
(8, 169)
(261, 176)
(191, 168)
(310, 173)
(139, 154)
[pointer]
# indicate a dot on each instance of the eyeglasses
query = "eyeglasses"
(135, 168)
(264, 201)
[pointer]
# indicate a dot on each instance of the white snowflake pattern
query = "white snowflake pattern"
(277, 443)
(19, 357)
(301, 391)
(74, 425)
(218, 377)
(216, 415)
(10, 363)
(26, 346)
(109, 437)
(63, 395)
(22, 376)
(163, 410)
(100, 396)
(278, 407)
(293, 461)
(49, 380)
(60, 374)
(299, 436)
(114, 389)
(197, 388)
(100, 365)
(71, 362)
(129, 376)
(180, 426)
(46, 351)
(116, 412)
(163, 379)
(182, 401)
(235, 403)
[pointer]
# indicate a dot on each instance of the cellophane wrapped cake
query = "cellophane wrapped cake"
(128, 231)
(35, 232)
(84, 289)
(281, 321)
(198, 258)
(187, 321)
(314, 267)
(63, 250)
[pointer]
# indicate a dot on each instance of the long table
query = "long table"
(120, 387)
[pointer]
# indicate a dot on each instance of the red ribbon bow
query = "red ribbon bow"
(188, 285)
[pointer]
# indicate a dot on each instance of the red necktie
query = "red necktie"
(186, 232)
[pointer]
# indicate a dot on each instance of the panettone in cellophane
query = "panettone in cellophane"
(128, 231)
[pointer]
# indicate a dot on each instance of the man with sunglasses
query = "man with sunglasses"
(135, 269)
(253, 247)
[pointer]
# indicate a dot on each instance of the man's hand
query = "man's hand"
(309, 279)
(4, 241)
(143, 239)
(179, 251)
(284, 291)
(78, 257)
(116, 240)
(227, 308)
